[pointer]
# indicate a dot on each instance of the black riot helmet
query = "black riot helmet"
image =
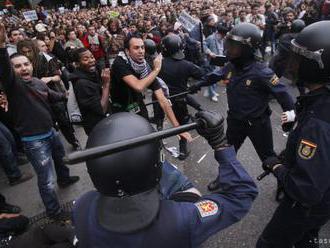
(128, 172)
(242, 43)
(222, 29)
(127, 180)
(150, 47)
(172, 46)
(297, 25)
(310, 61)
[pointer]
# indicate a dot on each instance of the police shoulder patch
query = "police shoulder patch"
(306, 149)
(274, 80)
(207, 208)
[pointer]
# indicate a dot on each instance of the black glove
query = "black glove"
(287, 127)
(269, 163)
(212, 128)
(193, 89)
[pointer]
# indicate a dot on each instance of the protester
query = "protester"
(29, 97)
(92, 90)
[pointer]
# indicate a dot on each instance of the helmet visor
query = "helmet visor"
(233, 49)
(292, 67)
(303, 51)
(239, 39)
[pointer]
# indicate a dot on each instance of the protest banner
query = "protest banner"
(113, 14)
(187, 21)
(114, 3)
(30, 15)
(192, 26)
(61, 10)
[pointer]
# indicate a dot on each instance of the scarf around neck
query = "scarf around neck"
(143, 69)
(93, 40)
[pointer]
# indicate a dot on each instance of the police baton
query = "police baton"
(262, 175)
(192, 102)
(119, 146)
(184, 93)
(170, 97)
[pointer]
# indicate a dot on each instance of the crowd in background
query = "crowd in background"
(103, 29)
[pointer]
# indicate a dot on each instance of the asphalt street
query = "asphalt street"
(200, 167)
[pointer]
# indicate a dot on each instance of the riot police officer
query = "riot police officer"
(249, 85)
(279, 62)
(151, 50)
(138, 202)
(175, 72)
(151, 53)
(304, 173)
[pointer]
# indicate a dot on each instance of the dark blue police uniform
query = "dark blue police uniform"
(304, 176)
(248, 93)
(178, 224)
(175, 74)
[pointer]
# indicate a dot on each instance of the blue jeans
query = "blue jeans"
(43, 154)
(212, 90)
(8, 153)
(172, 181)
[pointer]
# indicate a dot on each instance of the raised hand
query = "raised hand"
(158, 62)
(106, 76)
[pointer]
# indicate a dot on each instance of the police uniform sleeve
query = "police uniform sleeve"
(273, 85)
(219, 210)
(215, 76)
(195, 71)
(307, 180)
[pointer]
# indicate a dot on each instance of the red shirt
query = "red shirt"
(96, 49)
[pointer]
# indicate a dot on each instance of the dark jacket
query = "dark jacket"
(88, 90)
(29, 101)
(176, 73)
(249, 88)
(178, 224)
(306, 170)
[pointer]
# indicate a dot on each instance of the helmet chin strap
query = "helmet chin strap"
(241, 61)
(247, 55)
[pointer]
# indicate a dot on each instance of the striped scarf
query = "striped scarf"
(143, 69)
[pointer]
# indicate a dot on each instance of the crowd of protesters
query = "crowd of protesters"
(66, 48)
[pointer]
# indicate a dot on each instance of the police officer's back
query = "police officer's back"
(175, 72)
(131, 207)
(175, 69)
